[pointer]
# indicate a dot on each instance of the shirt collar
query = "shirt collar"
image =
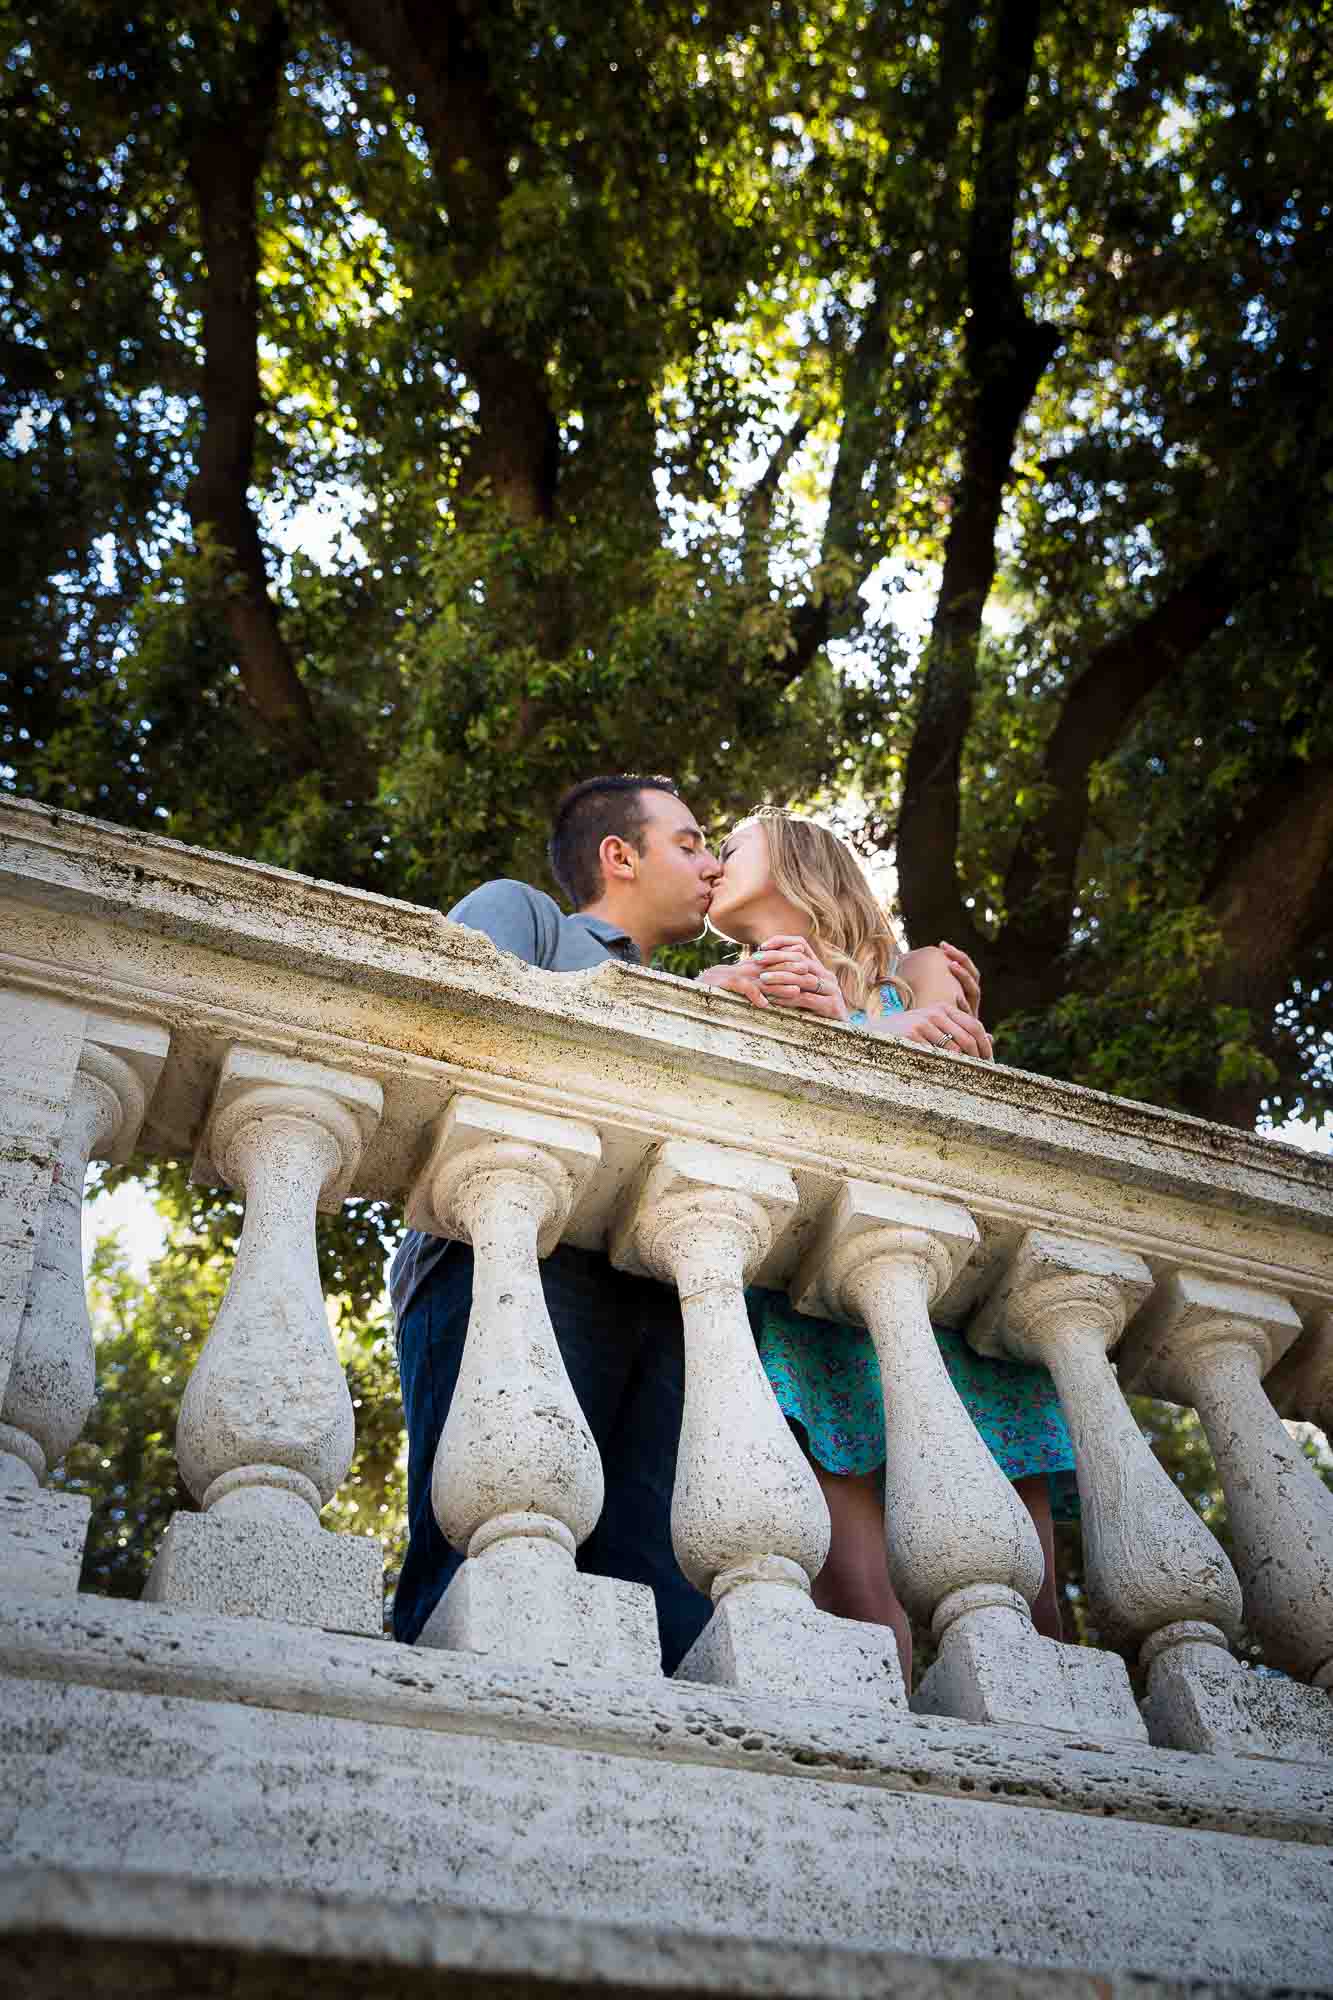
(619, 943)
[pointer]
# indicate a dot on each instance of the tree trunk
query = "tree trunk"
(225, 161)
(1272, 895)
(1005, 356)
(435, 54)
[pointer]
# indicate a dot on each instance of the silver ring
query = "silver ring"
(948, 1042)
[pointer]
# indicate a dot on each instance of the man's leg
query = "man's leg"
(596, 1343)
(430, 1353)
(633, 1538)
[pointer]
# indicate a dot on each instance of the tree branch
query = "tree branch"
(813, 623)
(1272, 894)
(861, 438)
(1125, 670)
(433, 51)
(223, 167)
(1039, 883)
(757, 510)
(1005, 355)
(1269, 888)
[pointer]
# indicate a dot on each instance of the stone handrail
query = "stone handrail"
(301, 1042)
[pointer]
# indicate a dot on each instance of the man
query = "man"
(631, 859)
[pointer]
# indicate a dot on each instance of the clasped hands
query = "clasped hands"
(785, 972)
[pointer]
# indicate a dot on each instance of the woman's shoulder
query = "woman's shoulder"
(928, 972)
(926, 958)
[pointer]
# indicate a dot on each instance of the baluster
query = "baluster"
(1155, 1574)
(266, 1430)
(1210, 1343)
(748, 1521)
(517, 1482)
(52, 1384)
(1301, 1385)
(962, 1548)
(42, 1042)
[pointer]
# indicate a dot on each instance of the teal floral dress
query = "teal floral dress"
(825, 1376)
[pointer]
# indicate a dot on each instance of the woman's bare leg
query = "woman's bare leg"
(854, 1582)
(1035, 1494)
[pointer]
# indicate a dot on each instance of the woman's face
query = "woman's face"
(745, 884)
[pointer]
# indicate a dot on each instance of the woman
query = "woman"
(815, 937)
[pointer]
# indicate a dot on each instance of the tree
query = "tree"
(639, 358)
(642, 360)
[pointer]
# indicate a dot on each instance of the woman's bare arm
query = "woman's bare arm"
(939, 1018)
(931, 977)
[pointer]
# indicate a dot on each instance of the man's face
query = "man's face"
(744, 890)
(676, 870)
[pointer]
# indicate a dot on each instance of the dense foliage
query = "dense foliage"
(916, 410)
(912, 410)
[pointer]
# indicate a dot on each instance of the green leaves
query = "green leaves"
(1139, 1020)
(615, 373)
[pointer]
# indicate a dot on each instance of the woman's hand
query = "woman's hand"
(792, 975)
(943, 1026)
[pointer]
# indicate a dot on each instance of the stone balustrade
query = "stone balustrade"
(302, 1042)
(79, 1086)
(266, 1431)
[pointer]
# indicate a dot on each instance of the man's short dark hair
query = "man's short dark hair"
(584, 817)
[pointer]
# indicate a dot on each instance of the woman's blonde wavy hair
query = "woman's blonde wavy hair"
(850, 929)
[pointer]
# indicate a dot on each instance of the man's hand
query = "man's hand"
(742, 980)
(943, 1026)
(793, 975)
(965, 972)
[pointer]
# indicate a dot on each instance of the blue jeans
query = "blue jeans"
(620, 1338)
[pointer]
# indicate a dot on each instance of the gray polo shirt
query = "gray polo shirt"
(534, 928)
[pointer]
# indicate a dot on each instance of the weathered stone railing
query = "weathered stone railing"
(302, 1042)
